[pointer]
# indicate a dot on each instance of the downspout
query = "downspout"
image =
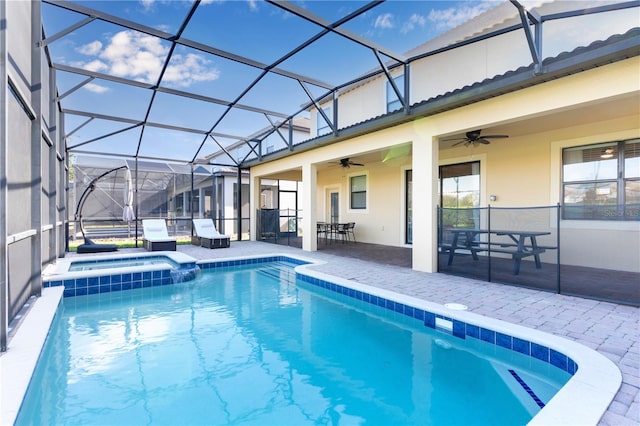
(239, 205)
(191, 203)
(135, 200)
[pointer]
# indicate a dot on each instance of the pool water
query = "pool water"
(250, 345)
(121, 263)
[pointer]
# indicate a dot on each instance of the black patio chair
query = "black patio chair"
(351, 231)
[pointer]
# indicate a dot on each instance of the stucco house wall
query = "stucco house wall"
(433, 76)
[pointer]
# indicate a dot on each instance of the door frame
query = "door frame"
(326, 201)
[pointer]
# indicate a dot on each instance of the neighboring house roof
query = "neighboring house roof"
(501, 16)
(300, 124)
(615, 48)
(229, 171)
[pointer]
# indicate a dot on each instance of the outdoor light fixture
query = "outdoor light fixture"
(607, 153)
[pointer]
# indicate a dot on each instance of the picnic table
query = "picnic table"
(519, 244)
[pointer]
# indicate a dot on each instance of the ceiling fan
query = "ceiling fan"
(345, 163)
(473, 138)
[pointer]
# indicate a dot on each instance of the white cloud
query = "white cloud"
(384, 21)
(129, 54)
(414, 20)
(95, 65)
(135, 55)
(90, 49)
(147, 4)
(96, 88)
(452, 17)
(188, 69)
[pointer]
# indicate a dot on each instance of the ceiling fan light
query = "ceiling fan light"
(607, 153)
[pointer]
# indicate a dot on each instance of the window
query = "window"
(602, 182)
(393, 103)
(323, 126)
(358, 191)
(459, 186)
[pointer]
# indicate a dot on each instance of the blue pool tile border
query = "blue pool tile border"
(114, 282)
(460, 329)
(215, 264)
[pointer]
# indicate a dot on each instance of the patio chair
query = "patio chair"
(156, 237)
(341, 231)
(351, 231)
(322, 231)
(206, 235)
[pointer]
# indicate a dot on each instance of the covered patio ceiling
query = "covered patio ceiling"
(211, 82)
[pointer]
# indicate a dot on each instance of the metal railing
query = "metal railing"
(280, 226)
(522, 246)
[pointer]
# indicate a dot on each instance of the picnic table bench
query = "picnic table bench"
(520, 244)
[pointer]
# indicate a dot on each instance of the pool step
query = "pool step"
(276, 272)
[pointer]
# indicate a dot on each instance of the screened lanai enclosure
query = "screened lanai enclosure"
(172, 191)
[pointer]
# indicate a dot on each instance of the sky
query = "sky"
(248, 28)
(234, 26)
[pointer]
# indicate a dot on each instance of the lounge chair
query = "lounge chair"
(156, 237)
(206, 235)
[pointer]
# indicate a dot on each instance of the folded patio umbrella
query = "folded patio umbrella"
(127, 213)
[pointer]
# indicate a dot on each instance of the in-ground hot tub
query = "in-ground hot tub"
(103, 274)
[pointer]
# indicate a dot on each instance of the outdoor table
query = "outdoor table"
(522, 244)
(332, 230)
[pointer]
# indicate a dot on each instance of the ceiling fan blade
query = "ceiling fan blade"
(356, 164)
(495, 137)
(483, 140)
(461, 142)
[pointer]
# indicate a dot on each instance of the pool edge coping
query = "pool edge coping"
(24, 351)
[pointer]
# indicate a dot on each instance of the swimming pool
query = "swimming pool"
(581, 401)
(255, 343)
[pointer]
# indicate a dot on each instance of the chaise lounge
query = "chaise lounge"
(156, 237)
(206, 235)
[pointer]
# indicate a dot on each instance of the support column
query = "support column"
(36, 150)
(239, 204)
(254, 205)
(53, 163)
(425, 199)
(309, 207)
(185, 202)
(4, 281)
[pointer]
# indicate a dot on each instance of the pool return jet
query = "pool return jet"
(89, 246)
